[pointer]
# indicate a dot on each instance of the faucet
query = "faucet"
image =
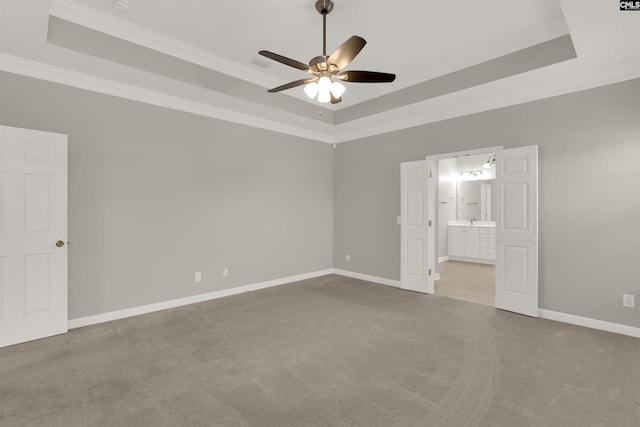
(471, 220)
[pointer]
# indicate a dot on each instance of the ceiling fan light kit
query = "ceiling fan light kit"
(328, 71)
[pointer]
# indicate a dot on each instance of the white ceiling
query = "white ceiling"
(417, 40)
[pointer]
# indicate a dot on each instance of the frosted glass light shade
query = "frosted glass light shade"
(311, 89)
(324, 84)
(337, 89)
(324, 96)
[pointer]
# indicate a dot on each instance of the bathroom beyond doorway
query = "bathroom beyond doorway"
(464, 198)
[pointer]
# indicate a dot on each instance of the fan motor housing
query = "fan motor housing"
(319, 63)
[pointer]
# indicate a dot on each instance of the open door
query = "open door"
(416, 270)
(517, 230)
(33, 235)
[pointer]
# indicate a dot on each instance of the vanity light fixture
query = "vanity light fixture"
(471, 173)
(490, 163)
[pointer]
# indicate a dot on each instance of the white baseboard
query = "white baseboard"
(590, 323)
(149, 308)
(443, 259)
(374, 279)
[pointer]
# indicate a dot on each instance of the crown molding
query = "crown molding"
(514, 90)
(85, 16)
(555, 80)
(38, 70)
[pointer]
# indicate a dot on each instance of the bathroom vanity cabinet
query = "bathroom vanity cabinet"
(472, 243)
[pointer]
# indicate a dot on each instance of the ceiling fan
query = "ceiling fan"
(328, 71)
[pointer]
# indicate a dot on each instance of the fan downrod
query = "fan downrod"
(324, 7)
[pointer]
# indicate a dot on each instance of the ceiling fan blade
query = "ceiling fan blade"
(292, 84)
(335, 100)
(348, 50)
(286, 61)
(366, 77)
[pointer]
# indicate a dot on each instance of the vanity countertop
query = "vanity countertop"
(464, 223)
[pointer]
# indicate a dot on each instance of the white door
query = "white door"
(517, 230)
(416, 270)
(33, 218)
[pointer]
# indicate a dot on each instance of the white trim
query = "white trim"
(368, 278)
(443, 259)
(590, 323)
(463, 153)
(51, 73)
(469, 101)
(514, 90)
(475, 260)
(149, 308)
(89, 17)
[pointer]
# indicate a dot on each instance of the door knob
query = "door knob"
(59, 243)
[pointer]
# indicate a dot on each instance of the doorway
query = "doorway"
(515, 204)
(466, 228)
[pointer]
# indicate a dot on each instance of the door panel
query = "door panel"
(515, 277)
(517, 230)
(414, 273)
(515, 208)
(415, 254)
(33, 217)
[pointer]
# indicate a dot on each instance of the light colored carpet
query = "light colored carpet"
(330, 351)
(467, 281)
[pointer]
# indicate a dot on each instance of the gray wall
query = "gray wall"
(156, 194)
(589, 193)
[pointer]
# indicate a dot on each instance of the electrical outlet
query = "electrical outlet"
(198, 276)
(347, 258)
(225, 272)
(628, 300)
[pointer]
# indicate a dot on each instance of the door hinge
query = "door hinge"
(429, 272)
(430, 174)
(429, 223)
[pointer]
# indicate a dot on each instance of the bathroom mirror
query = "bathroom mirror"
(473, 200)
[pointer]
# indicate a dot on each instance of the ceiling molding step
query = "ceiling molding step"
(530, 58)
(85, 40)
(85, 16)
(38, 70)
(516, 90)
(474, 100)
